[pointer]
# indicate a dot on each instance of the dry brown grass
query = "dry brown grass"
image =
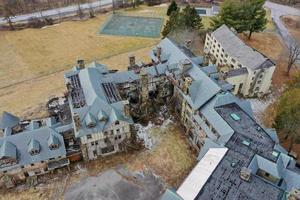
(33, 52)
(265, 42)
(171, 159)
(32, 61)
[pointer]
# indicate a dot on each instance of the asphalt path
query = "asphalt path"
(278, 10)
(58, 12)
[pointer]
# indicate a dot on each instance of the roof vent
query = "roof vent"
(245, 174)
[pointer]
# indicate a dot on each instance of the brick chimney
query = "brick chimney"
(80, 64)
(187, 83)
(158, 52)
(131, 61)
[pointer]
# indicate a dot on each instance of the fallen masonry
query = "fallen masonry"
(238, 158)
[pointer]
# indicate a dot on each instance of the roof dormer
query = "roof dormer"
(53, 142)
(8, 154)
(102, 116)
(34, 147)
(90, 121)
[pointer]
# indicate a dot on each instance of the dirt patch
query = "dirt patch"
(293, 25)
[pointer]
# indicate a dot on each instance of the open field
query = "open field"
(32, 61)
(171, 159)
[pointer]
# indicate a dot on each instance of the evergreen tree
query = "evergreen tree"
(173, 23)
(256, 20)
(172, 7)
(186, 19)
(288, 112)
(243, 16)
(191, 19)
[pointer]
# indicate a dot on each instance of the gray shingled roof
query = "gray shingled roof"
(237, 72)
(203, 88)
(8, 150)
(97, 104)
(237, 49)
(19, 144)
(8, 120)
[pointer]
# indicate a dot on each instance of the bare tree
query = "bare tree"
(91, 10)
(8, 15)
(293, 56)
(80, 12)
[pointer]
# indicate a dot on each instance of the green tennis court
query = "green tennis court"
(132, 26)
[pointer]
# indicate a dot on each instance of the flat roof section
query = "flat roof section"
(201, 173)
(248, 140)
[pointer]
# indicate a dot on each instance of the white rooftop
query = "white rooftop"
(192, 185)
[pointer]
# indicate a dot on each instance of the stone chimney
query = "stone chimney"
(77, 121)
(158, 52)
(131, 61)
(126, 109)
(80, 64)
(187, 83)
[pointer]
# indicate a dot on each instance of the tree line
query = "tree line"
(287, 120)
(242, 15)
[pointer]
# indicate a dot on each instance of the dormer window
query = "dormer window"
(117, 122)
(90, 121)
(8, 154)
(53, 146)
(102, 116)
(53, 142)
(34, 147)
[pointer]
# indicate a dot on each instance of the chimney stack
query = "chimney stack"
(77, 121)
(131, 61)
(126, 109)
(187, 83)
(80, 64)
(158, 52)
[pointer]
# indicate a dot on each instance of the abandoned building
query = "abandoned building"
(28, 152)
(249, 71)
(236, 154)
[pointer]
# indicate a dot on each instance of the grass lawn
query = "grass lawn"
(33, 60)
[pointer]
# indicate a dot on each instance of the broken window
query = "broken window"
(89, 136)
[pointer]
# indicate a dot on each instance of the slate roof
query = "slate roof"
(210, 69)
(97, 102)
(8, 150)
(8, 120)
(225, 181)
(203, 88)
(238, 50)
(18, 145)
(237, 72)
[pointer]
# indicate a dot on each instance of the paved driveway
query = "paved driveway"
(59, 11)
(277, 11)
